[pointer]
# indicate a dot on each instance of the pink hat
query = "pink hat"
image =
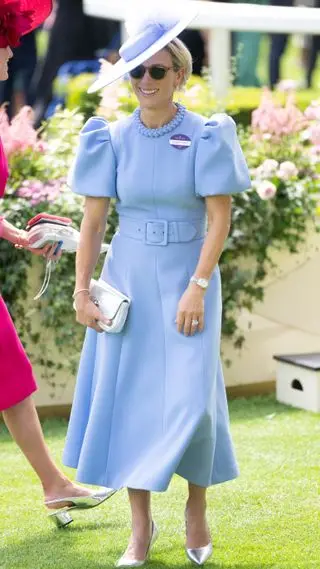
(19, 17)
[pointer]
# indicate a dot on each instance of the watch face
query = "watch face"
(203, 283)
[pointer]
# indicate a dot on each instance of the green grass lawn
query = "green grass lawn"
(267, 519)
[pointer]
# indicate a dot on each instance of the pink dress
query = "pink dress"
(16, 378)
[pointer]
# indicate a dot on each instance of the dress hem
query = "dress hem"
(148, 487)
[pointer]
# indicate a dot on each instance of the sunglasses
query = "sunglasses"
(156, 72)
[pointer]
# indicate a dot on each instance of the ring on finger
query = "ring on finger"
(195, 323)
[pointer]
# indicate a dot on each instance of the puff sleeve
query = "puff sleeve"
(220, 166)
(94, 169)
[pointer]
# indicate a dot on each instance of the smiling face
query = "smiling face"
(157, 93)
(5, 55)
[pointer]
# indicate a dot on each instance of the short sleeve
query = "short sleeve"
(94, 169)
(220, 166)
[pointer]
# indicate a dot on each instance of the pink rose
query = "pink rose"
(266, 190)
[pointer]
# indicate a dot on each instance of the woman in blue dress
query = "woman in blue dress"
(150, 401)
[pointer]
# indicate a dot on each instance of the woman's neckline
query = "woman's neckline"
(162, 130)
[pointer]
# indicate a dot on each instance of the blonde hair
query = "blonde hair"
(181, 59)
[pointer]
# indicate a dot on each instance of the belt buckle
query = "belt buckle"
(165, 226)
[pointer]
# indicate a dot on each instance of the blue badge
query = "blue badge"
(180, 141)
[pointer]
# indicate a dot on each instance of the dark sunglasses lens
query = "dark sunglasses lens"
(157, 72)
(138, 72)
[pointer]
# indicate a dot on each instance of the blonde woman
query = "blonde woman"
(150, 401)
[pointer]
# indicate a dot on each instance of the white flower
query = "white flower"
(314, 155)
(266, 190)
(267, 168)
(295, 191)
(287, 170)
(305, 135)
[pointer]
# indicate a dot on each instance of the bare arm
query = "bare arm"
(191, 305)
(11, 233)
(92, 231)
(20, 238)
(91, 235)
(219, 219)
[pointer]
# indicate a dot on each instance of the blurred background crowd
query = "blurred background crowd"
(72, 43)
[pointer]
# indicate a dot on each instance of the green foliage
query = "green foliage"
(77, 96)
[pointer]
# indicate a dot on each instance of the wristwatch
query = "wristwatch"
(203, 283)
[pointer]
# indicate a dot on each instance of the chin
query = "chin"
(149, 104)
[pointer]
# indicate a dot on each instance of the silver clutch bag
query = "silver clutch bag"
(113, 304)
(41, 234)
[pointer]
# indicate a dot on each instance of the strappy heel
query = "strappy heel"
(62, 518)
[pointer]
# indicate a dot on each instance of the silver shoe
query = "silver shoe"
(123, 562)
(62, 518)
(200, 555)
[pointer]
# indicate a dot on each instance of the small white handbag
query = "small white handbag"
(113, 304)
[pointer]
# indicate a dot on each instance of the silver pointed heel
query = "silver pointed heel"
(62, 518)
(200, 555)
(123, 562)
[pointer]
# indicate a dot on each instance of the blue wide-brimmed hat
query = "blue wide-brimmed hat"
(147, 35)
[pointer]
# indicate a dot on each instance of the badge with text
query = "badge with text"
(180, 141)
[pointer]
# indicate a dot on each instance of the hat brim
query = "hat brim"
(122, 67)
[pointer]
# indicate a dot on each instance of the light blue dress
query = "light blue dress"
(150, 402)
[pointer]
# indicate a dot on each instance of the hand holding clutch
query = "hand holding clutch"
(103, 308)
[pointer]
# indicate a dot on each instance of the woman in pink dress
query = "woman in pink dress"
(17, 382)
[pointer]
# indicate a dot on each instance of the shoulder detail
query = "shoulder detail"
(97, 125)
(219, 123)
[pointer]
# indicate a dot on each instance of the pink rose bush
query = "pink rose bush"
(283, 149)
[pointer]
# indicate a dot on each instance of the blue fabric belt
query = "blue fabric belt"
(161, 231)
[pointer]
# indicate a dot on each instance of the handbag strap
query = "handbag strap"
(46, 280)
